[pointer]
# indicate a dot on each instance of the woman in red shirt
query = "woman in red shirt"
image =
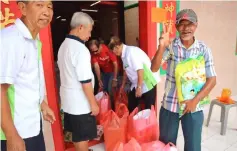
(105, 64)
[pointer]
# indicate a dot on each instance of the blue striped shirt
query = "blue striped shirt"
(175, 53)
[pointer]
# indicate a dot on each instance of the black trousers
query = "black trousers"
(149, 99)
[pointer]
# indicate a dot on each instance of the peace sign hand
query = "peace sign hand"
(165, 40)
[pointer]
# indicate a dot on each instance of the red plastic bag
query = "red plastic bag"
(121, 110)
(153, 146)
(132, 145)
(118, 147)
(120, 98)
(103, 101)
(115, 129)
(143, 125)
(170, 147)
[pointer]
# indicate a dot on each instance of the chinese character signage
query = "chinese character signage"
(172, 7)
(9, 12)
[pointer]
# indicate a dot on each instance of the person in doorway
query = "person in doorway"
(137, 68)
(183, 47)
(101, 41)
(77, 82)
(22, 81)
(105, 64)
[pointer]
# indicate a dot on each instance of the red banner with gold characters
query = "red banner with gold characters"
(9, 12)
(172, 7)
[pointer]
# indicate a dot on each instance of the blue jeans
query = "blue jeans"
(191, 125)
(107, 79)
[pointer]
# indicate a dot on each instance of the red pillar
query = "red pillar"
(147, 29)
(49, 73)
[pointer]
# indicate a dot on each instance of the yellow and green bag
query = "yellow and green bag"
(190, 77)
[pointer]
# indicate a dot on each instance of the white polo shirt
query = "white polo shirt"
(74, 62)
(135, 59)
(21, 66)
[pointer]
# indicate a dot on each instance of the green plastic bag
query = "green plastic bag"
(149, 78)
(190, 77)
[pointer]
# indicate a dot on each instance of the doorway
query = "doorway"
(108, 20)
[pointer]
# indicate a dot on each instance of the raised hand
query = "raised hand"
(165, 40)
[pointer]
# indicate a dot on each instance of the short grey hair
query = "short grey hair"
(23, 1)
(80, 18)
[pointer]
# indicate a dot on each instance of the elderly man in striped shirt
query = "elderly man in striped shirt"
(183, 47)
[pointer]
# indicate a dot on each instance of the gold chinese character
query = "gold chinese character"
(171, 22)
(5, 1)
(170, 8)
(5, 20)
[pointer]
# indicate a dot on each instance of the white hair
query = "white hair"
(80, 18)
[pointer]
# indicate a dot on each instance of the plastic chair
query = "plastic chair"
(224, 114)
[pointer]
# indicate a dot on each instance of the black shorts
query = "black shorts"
(35, 143)
(83, 127)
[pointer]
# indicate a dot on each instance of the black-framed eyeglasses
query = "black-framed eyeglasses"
(94, 52)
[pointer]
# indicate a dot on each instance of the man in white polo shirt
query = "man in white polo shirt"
(77, 82)
(22, 79)
(137, 68)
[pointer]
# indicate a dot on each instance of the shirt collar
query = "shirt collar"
(75, 38)
(24, 30)
(124, 50)
(177, 42)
